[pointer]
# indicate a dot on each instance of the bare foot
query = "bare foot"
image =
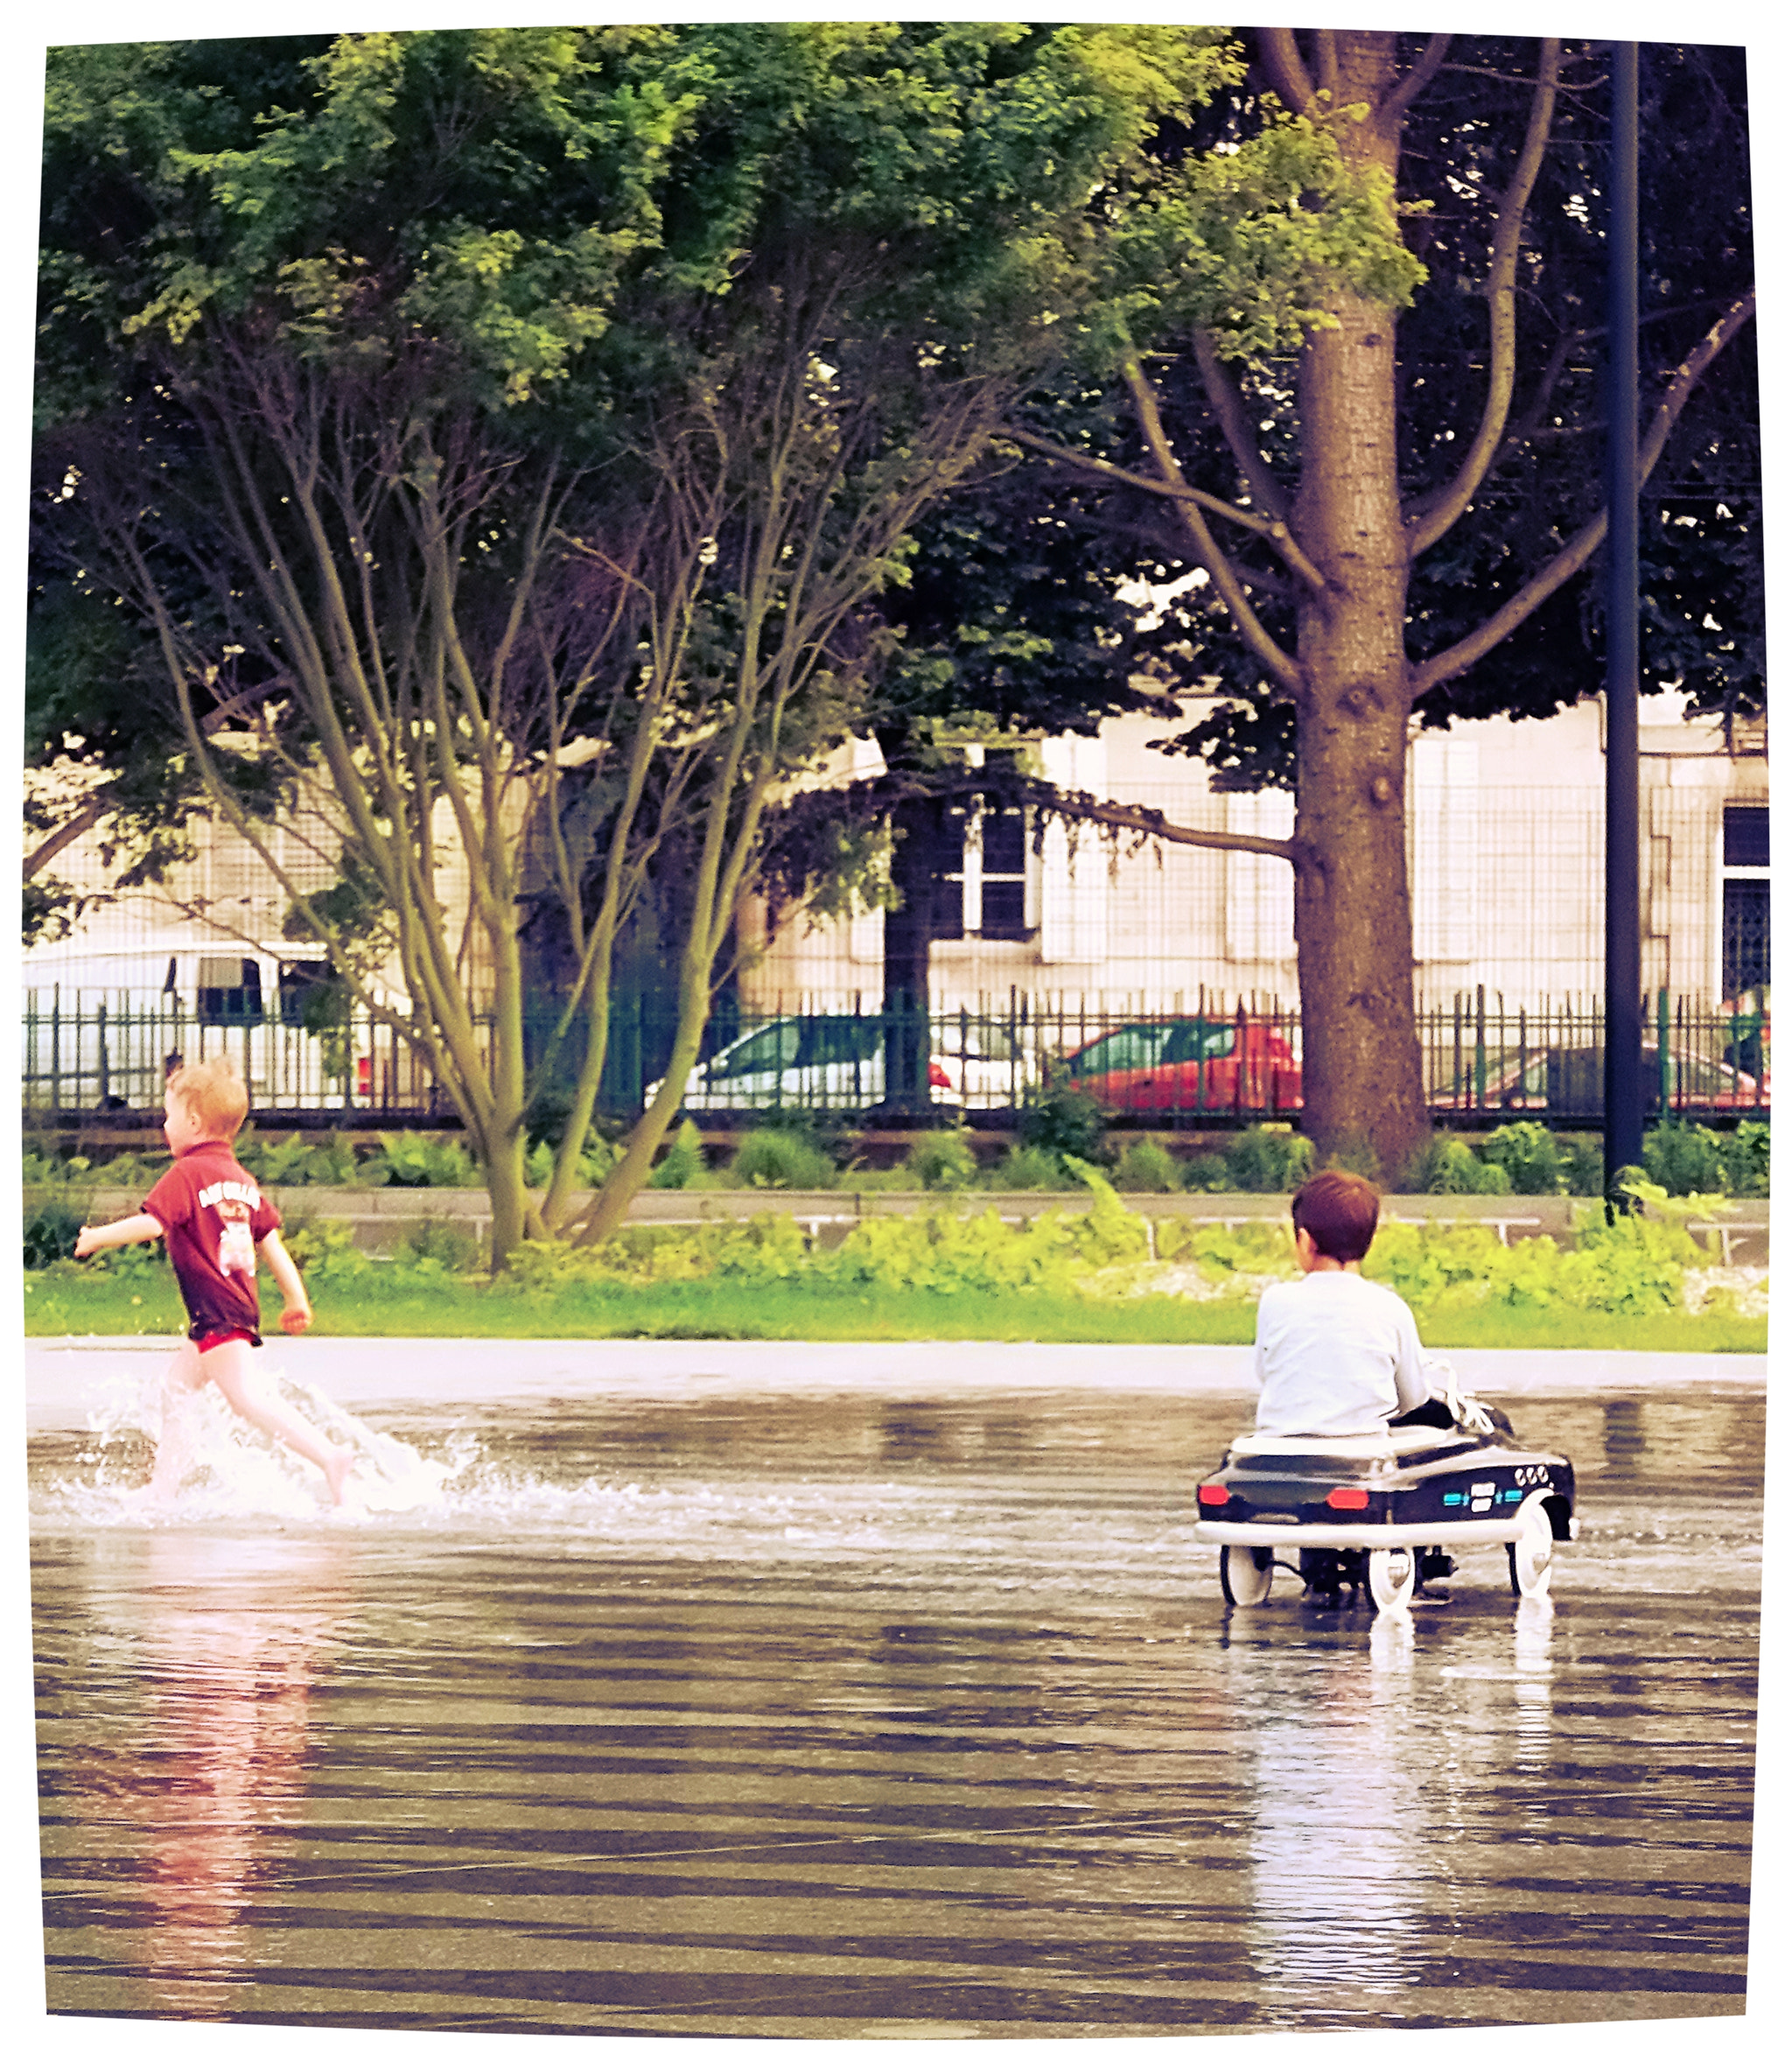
(336, 1471)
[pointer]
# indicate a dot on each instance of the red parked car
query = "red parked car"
(1189, 1063)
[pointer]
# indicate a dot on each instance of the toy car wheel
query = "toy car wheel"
(1393, 1575)
(1531, 1555)
(1246, 1572)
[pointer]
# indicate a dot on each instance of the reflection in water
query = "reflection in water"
(1532, 1623)
(1333, 1786)
(771, 1719)
(230, 1653)
(1626, 1442)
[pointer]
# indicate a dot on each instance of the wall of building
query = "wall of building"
(1506, 851)
(1506, 848)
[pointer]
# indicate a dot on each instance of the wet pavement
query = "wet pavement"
(674, 1699)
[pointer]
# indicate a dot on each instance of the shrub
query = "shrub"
(1064, 1119)
(1354, 1154)
(50, 1231)
(1684, 1158)
(1529, 1156)
(1146, 1168)
(323, 1248)
(1583, 1166)
(943, 1159)
(779, 1159)
(1746, 1157)
(598, 1158)
(1030, 1167)
(683, 1160)
(441, 1239)
(1207, 1174)
(1449, 1167)
(278, 1162)
(406, 1159)
(1268, 1161)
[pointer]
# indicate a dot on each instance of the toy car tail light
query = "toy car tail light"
(937, 1075)
(1348, 1499)
(1213, 1494)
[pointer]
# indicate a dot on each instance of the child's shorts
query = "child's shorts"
(216, 1338)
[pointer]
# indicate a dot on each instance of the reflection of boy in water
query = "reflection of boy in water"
(1335, 1354)
(215, 1219)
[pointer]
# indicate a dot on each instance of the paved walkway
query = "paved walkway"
(64, 1377)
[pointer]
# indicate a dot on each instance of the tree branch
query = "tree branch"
(1587, 540)
(1439, 513)
(99, 806)
(1228, 404)
(1152, 823)
(1430, 63)
(1324, 43)
(1270, 528)
(1269, 655)
(1287, 69)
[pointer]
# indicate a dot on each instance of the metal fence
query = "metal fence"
(1483, 1062)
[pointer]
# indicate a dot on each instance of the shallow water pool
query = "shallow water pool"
(908, 1707)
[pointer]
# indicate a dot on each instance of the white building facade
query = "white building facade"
(1506, 847)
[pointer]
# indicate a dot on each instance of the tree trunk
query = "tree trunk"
(509, 1196)
(909, 934)
(1363, 1086)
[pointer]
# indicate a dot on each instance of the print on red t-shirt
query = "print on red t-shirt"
(214, 1217)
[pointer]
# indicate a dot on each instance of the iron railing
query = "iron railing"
(1483, 1061)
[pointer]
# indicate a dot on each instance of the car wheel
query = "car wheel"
(1245, 1573)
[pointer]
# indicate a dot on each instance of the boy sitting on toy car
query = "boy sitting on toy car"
(1336, 1354)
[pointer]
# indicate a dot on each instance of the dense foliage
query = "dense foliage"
(512, 427)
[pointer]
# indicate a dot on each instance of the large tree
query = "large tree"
(1385, 472)
(518, 426)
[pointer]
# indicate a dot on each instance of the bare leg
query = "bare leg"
(181, 1379)
(230, 1368)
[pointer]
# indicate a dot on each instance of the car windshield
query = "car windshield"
(1138, 1044)
(765, 1051)
(1185, 1041)
(840, 1040)
(1196, 1039)
(976, 1039)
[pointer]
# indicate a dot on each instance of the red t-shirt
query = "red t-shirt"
(214, 1216)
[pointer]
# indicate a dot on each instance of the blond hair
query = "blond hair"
(214, 1095)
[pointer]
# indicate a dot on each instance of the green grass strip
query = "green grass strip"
(403, 1305)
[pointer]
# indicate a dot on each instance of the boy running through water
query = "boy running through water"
(215, 1219)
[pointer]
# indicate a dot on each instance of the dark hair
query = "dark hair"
(1338, 1212)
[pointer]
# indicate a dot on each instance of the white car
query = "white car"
(837, 1063)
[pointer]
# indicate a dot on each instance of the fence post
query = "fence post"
(1242, 1026)
(1664, 1057)
(1480, 1045)
(1456, 1050)
(56, 1048)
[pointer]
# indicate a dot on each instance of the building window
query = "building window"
(949, 897)
(1745, 941)
(980, 872)
(1003, 853)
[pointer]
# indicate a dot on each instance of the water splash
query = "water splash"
(229, 1470)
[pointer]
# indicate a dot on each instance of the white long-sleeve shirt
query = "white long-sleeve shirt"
(1335, 1354)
